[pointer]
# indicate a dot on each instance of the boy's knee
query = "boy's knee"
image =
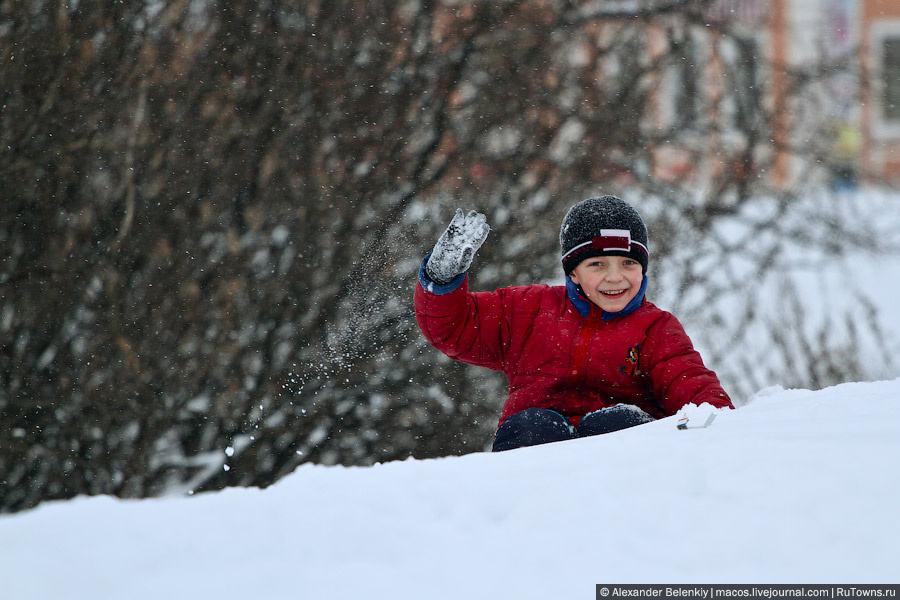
(532, 427)
(614, 418)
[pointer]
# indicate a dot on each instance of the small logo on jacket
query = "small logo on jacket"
(630, 367)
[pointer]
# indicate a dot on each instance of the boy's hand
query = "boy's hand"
(456, 247)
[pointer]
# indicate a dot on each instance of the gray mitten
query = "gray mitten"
(456, 247)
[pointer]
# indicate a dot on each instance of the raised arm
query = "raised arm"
(466, 326)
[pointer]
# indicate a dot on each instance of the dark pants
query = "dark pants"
(541, 426)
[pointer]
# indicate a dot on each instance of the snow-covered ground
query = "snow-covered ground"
(795, 487)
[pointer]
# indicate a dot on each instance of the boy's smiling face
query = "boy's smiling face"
(610, 282)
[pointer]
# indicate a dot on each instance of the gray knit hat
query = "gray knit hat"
(602, 226)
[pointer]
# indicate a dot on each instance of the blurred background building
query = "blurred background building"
(850, 115)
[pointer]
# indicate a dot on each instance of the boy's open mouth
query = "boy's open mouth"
(613, 292)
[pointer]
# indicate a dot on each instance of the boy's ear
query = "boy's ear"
(574, 278)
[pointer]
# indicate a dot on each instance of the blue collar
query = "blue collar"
(583, 305)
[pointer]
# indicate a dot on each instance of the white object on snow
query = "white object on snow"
(696, 417)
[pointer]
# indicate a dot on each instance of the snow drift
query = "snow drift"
(795, 487)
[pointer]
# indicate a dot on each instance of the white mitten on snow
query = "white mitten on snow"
(456, 247)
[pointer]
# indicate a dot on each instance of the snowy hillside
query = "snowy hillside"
(797, 486)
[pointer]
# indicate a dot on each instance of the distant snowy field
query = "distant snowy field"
(769, 301)
(795, 487)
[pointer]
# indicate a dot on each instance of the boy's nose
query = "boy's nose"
(614, 274)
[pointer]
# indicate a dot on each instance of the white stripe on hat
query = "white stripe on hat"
(610, 237)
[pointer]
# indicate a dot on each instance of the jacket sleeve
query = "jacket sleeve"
(677, 373)
(466, 326)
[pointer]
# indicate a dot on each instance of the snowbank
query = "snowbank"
(797, 486)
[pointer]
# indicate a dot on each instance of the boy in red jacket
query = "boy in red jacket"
(590, 357)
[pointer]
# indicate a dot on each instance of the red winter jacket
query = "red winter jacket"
(556, 359)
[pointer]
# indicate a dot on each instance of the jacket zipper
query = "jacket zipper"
(578, 373)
